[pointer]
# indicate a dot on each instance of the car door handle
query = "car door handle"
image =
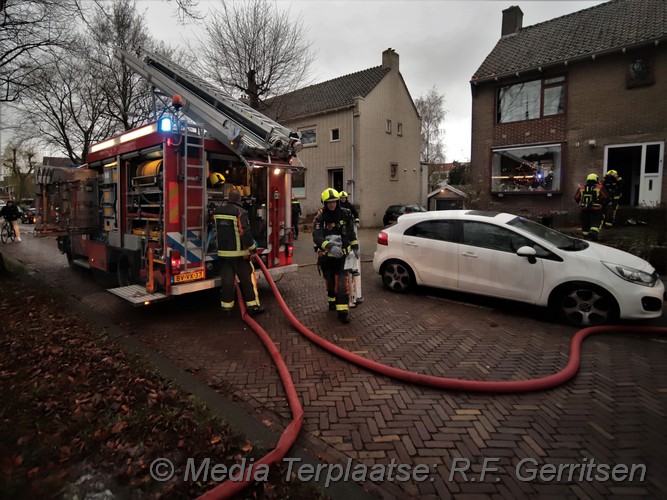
(469, 254)
(411, 244)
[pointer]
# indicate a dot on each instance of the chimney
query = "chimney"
(390, 59)
(512, 20)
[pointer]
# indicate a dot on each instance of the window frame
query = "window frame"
(331, 135)
(521, 184)
(312, 129)
(299, 191)
(387, 126)
(399, 129)
(551, 82)
(393, 171)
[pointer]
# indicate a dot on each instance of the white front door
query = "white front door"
(650, 184)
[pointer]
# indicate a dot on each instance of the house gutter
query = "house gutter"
(565, 62)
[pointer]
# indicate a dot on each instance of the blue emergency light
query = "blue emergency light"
(165, 124)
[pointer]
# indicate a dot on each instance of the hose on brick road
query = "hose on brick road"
(515, 386)
(454, 384)
(234, 485)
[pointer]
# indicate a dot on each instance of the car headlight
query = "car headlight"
(631, 274)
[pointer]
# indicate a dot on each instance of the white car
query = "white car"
(511, 257)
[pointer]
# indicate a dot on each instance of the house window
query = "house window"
(335, 135)
(308, 136)
(299, 183)
(531, 100)
(393, 172)
(533, 169)
(399, 128)
(387, 127)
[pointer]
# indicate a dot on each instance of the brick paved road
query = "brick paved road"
(614, 412)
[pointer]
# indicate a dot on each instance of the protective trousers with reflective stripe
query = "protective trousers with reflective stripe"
(242, 268)
(335, 276)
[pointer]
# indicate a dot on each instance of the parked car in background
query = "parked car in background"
(28, 216)
(511, 257)
(393, 212)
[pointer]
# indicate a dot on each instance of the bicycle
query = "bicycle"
(7, 232)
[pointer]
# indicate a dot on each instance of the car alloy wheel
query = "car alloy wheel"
(397, 277)
(586, 305)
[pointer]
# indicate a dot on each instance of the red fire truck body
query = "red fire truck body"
(140, 209)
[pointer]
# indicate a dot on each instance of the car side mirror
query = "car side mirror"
(528, 252)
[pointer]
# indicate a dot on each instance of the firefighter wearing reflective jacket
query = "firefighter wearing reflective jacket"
(334, 237)
(592, 199)
(236, 246)
(612, 185)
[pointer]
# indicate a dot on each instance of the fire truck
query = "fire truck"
(140, 209)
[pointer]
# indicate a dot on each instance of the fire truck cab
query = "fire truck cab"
(140, 209)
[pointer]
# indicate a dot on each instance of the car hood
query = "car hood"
(598, 252)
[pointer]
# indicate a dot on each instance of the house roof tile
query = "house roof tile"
(613, 25)
(326, 96)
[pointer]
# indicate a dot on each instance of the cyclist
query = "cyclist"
(12, 214)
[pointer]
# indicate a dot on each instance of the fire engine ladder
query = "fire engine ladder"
(235, 124)
(194, 199)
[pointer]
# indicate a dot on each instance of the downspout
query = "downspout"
(352, 153)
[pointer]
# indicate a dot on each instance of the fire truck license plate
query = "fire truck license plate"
(191, 276)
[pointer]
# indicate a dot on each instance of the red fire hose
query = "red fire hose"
(518, 386)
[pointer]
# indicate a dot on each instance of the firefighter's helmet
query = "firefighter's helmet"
(330, 194)
(343, 194)
(592, 177)
(216, 178)
(613, 173)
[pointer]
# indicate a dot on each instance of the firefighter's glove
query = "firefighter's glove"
(336, 252)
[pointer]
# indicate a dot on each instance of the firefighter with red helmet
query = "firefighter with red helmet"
(334, 237)
(592, 199)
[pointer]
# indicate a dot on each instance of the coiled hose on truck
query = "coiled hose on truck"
(232, 486)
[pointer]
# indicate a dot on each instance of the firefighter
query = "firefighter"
(236, 246)
(345, 203)
(335, 237)
(296, 213)
(12, 214)
(612, 185)
(592, 199)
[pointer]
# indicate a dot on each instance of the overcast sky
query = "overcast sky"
(440, 42)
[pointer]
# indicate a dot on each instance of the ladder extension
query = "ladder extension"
(223, 115)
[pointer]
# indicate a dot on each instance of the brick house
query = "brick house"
(579, 94)
(361, 134)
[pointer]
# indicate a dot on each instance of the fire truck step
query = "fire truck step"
(137, 294)
(81, 262)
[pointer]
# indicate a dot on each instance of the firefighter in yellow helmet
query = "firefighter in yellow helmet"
(334, 237)
(612, 183)
(592, 199)
(216, 179)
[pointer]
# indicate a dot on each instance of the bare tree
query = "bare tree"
(128, 98)
(20, 161)
(28, 29)
(255, 50)
(430, 108)
(85, 94)
(68, 111)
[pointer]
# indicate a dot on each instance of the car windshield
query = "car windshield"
(556, 238)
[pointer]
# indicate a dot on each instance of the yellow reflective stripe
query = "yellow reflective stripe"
(232, 253)
(331, 299)
(342, 307)
(354, 242)
(324, 245)
(227, 305)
